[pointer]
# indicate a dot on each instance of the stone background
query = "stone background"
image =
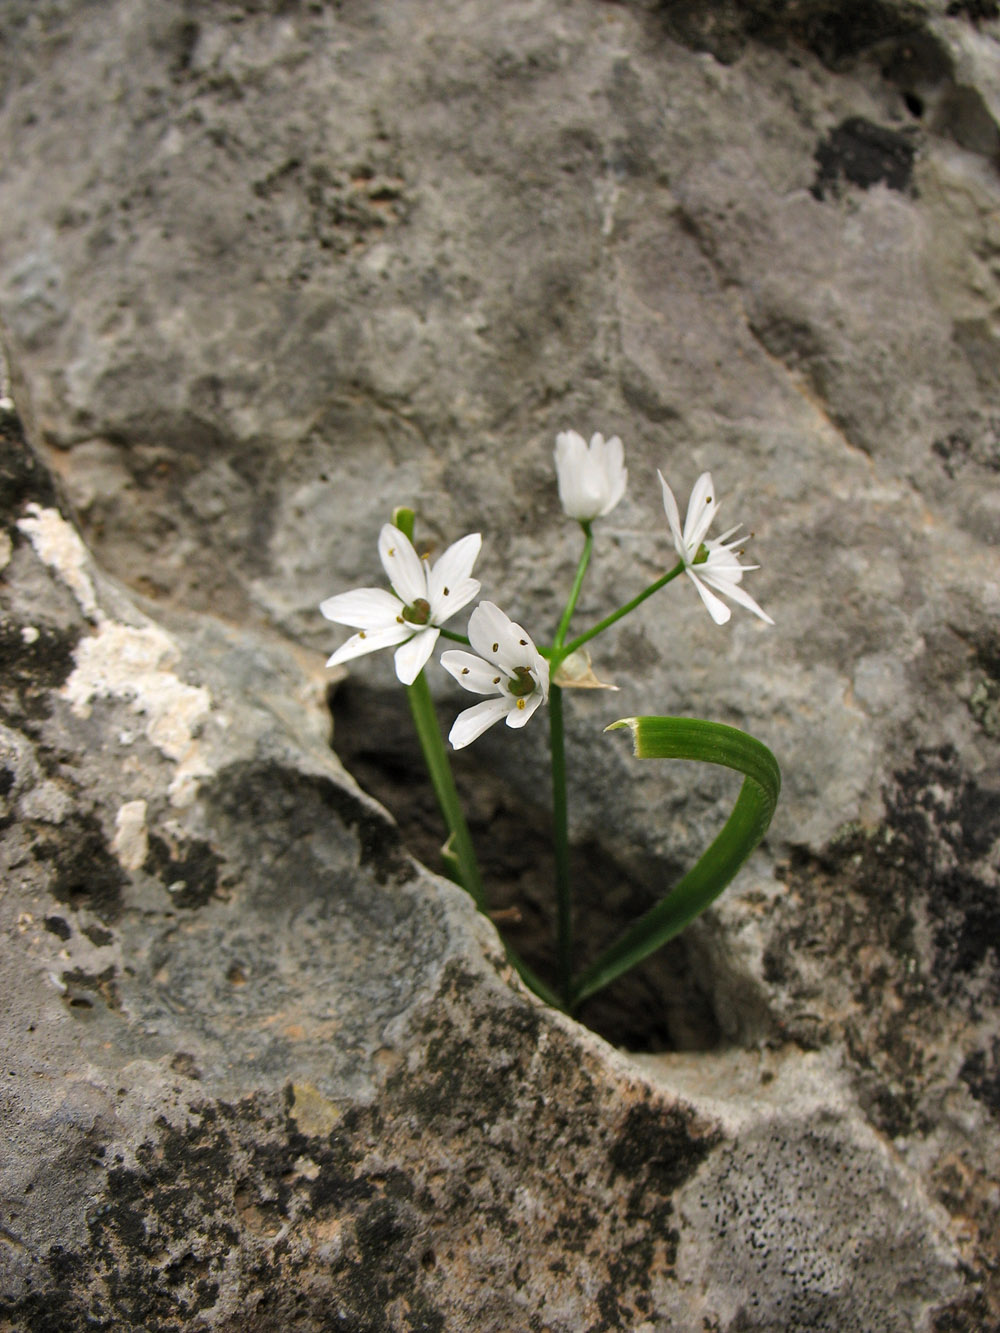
(268, 270)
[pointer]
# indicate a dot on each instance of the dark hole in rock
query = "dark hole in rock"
(660, 1005)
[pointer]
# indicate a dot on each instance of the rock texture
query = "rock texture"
(269, 270)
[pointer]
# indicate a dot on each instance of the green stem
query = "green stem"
(560, 813)
(455, 638)
(581, 569)
(622, 611)
(560, 840)
(461, 851)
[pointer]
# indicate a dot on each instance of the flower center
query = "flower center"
(701, 556)
(522, 683)
(419, 613)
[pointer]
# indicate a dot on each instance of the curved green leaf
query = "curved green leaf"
(712, 743)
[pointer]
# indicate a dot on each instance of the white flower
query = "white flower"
(423, 598)
(591, 477)
(710, 563)
(509, 667)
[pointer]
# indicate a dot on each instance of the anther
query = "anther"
(447, 592)
(523, 643)
(465, 671)
(362, 634)
(496, 680)
(496, 647)
(400, 620)
(520, 703)
(392, 550)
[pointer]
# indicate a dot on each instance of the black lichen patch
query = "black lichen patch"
(83, 872)
(871, 901)
(962, 448)
(31, 667)
(835, 31)
(57, 926)
(23, 477)
(947, 823)
(980, 1072)
(98, 935)
(83, 987)
(191, 876)
(978, 11)
(657, 1151)
(861, 153)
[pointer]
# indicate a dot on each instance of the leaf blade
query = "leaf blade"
(706, 742)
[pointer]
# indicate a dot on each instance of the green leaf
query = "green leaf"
(712, 743)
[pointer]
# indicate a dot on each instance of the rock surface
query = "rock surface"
(268, 271)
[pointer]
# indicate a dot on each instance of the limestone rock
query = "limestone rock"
(272, 269)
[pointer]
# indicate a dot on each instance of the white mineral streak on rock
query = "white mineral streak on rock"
(130, 842)
(134, 664)
(58, 545)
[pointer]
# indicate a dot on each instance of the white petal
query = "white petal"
(404, 569)
(370, 641)
(472, 673)
(615, 473)
(449, 584)
(673, 516)
(498, 639)
(412, 656)
(571, 467)
(517, 717)
(739, 595)
(717, 609)
(362, 608)
(540, 670)
(701, 511)
(475, 720)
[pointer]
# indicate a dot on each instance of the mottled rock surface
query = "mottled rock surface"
(269, 270)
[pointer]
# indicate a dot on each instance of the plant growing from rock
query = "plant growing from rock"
(515, 679)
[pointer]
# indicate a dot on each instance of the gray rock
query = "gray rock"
(270, 271)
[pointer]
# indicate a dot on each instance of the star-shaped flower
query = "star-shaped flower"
(509, 667)
(708, 562)
(422, 599)
(591, 477)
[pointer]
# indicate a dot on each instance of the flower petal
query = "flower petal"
(362, 608)
(449, 584)
(498, 639)
(615, 473)
(370, 641)
(475, 720)
(412, 656)
(701, 511)
(517, 717)
(717, 609)
(403, 567)
(472, 673)
(739, 595)
(673, 516)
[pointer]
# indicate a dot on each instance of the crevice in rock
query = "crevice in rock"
(662, 1005)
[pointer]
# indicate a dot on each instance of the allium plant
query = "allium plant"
(515, 679)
